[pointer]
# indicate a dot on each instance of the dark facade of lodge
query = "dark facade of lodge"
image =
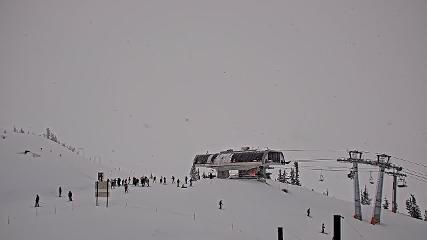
(249, 163)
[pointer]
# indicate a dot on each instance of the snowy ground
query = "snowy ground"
(252, 210)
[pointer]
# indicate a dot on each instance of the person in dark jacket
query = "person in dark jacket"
(70, 196)
(37, 201)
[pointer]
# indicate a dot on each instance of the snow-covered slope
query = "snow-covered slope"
(252, 210)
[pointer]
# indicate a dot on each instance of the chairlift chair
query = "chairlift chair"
(371, 179)
(351, 174)
(321, 178)
(402, 182)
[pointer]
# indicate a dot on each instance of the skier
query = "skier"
(177, 183)
(60, 191)
(191, 182)
(173, 179)
(186, 179)
(308, 212)
(37, 201)
(126, 188)
(154, 179)
(161, 180)
(220, 204)
(70, 196)
(323, 227)
(147, 181)
(164, 180)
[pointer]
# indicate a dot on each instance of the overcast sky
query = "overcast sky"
(149, 84)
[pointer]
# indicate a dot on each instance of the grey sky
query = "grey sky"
(159, 81)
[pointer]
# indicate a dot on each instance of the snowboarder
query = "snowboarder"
(323, 227)
(308, 212)
(177, 183)
(37, 201)
(70, 196)
(220, 204)
(60, 191)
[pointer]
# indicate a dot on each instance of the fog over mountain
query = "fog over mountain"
(149, 84)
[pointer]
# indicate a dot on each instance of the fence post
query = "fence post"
(337, 227)
(96, 195)
(280, 233)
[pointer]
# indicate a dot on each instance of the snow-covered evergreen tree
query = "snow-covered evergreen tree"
(292, 177)
(413, 208)
(48, 133)
(194, 175)
(297, 181)
(386, 203)
(365, 200)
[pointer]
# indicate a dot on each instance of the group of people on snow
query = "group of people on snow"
(70, 197)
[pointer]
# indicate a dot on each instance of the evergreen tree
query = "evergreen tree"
(365, 200)
(292, 177)
(48, 133)
(194, 174)
(386, 203)
(413, 208)
(297, 182)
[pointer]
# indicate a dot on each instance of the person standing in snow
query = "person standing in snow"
(323, 227)
(173, 179)
(37, 201)
(220, 204)
(154, 179)
(191, 182)
(70, 196)
(126, 188)
(60, 191)
(177, 183)
(186, 179)
(308, 212)
(164, 180)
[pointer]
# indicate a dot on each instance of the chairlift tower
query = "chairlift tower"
(383, 162)
(355, 158)
(395, 174)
